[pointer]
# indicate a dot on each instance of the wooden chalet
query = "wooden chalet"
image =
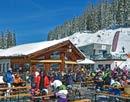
(59, 52)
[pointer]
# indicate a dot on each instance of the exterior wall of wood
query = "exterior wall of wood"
(128, 55)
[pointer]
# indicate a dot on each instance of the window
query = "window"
(4, 67)
(108, 66)
(100, 65)
(0, 68)
(40, 67)
(26, 67)
(7, 65)
(16, 67)
(55, 67)
(55, 55)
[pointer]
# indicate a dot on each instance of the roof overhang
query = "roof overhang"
(80, 55)
(53, 61)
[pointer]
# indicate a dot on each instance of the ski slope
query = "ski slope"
(103, 37)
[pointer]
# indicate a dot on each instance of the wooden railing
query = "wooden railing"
(15, 93)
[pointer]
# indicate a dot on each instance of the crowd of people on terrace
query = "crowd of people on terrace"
(115, 77)
(42, 82)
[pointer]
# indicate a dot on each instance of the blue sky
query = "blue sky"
(32, 19)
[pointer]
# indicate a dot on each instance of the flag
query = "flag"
(115, 41)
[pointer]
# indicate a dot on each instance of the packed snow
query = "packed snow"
(103, 37)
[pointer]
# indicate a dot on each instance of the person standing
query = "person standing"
(9, 79)
(9, 76)
(46, 81)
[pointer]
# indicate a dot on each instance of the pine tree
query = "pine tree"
(2, 40)
(128, 12)
(105, 14)
(13, 40)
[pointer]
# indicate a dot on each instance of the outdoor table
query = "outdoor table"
(43, 97)
(22, 83)
(109, 86)
(82, 100)
(122, 96)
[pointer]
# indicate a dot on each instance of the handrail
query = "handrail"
(44, 96)
(19, 95)
(6, 88)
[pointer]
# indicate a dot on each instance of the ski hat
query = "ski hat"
(36, 73)
(10, 69)
(45, 91)
(62, 87)
(56, 83)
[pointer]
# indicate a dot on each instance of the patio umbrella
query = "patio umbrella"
(86, 61)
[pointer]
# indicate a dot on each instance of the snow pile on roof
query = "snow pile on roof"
(126, 63)
(26, 49)
(86, 61)
(103, 37)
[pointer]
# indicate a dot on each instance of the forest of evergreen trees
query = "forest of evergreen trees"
(7, 39)
(108, 14)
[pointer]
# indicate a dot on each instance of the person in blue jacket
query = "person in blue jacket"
(9, 77)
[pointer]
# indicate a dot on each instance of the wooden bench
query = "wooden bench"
(18, 95)
(14, 90)
(83, 100)
(42, 97)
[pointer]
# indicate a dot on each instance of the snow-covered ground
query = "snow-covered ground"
(103, 37)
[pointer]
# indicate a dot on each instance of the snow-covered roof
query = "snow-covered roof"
(26, 49)
(86, 61)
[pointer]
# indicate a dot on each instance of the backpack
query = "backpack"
(5, 77)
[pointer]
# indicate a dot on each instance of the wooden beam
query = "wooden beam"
(46, 61)
(49, 49)
(20, 61)
(62, 65)
(70, 62)
(47, 65)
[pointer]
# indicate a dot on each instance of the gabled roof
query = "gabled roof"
(32, 48)
(26, 49)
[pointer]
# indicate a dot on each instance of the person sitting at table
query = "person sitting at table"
(115, 85)
(107, 78)
(17, 80)
(55, 84)
(124, 81)
(62, 93)
(99, 81)
(125, 70)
